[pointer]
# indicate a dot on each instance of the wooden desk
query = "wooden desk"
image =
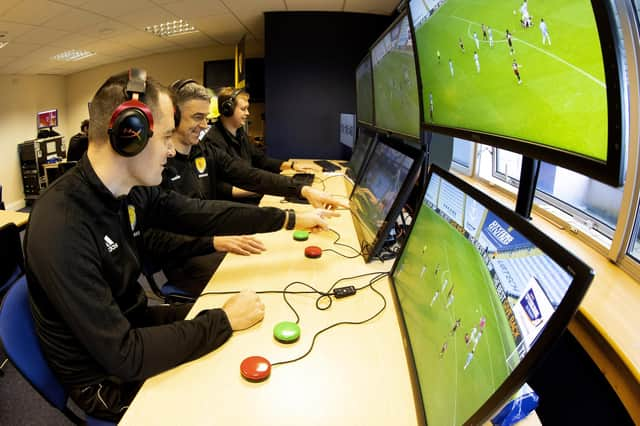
(355, 374)
(19, 218)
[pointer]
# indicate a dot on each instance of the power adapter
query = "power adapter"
(341, 292)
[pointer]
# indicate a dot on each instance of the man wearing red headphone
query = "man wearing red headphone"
(97, 332)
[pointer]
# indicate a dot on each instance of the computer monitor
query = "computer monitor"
(395, 86)
(361, 150)
(381, 192)
(347, 129)
(364, 91)
(490, 73)
(47, 119)
(482, 295)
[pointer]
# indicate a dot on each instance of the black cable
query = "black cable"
(335, 242)
(379, 276)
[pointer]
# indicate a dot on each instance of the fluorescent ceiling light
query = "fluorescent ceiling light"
(172, 28)
(72, 55)
(3, 44)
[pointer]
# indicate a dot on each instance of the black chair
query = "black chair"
(11, 259)
(65, 166)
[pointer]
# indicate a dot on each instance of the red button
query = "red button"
(255, 368)
(313, 252)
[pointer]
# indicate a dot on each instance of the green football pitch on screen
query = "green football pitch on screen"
(561, 99)
(452, 385)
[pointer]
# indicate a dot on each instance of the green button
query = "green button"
(301, 235)
(286, 331)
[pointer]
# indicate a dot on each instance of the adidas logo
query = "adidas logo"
(111, 245)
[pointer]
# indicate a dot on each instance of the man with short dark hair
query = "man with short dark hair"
(79, 143)
(189, 262)
(97, 332)
(228, 135)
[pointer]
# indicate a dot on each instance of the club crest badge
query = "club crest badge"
(201, 164)
(132, 216)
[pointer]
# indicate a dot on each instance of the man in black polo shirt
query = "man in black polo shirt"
(189, 262)
(82, 253)
(228, 135)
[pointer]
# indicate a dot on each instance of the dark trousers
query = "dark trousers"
(193, 274)
(110, 398)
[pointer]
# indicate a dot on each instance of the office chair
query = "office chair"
(165, 291)
(18, 336)
(11, 259)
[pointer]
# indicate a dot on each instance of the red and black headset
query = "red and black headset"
(228, 107)
(175, 88)
(131, 124)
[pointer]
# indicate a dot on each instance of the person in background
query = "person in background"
(189, 262)
(79, 142)
(228, 135)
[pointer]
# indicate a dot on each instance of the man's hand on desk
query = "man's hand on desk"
(244, 310)
(239, 244)
(314, 220)
(320, 199)
(300, 166)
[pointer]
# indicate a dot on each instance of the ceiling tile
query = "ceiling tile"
(192, 40)
(6, 5)
(382, 7)
(72, 41)
(74, 20)
(4, 60)
(115, 8)
(152, 17)
(18, 49)
(40, 36)
(34, 12)
(327, 5)
(189, 9)
(225, 29)
(14, 30)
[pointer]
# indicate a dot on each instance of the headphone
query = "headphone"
(229, 105)
(175, 88)
(131, 124)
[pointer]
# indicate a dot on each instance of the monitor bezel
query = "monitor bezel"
(369, 131)
(416, 139)
(48, 111)
(370, 250)
(559, 321)
(359, 120)
(610, 171)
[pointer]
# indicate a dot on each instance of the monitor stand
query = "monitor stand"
(527, 189)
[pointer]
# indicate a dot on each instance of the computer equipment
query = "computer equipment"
(47, 119)
(547, 102)
(327, 166)
(382, 191)
(347, 129)
(303, 178)
(395, 85)
(364, 91)
(482, 295)
(361, 151)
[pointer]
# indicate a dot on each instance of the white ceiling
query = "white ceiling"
(114, 29)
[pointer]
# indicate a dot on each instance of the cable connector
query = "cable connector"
(341, 292)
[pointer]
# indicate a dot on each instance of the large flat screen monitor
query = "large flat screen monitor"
(381, 192)
(540, 79)
(395, 86)
(364, 91)
(47, 119)
(482, 295)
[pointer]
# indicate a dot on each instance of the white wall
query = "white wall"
(24, 95)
